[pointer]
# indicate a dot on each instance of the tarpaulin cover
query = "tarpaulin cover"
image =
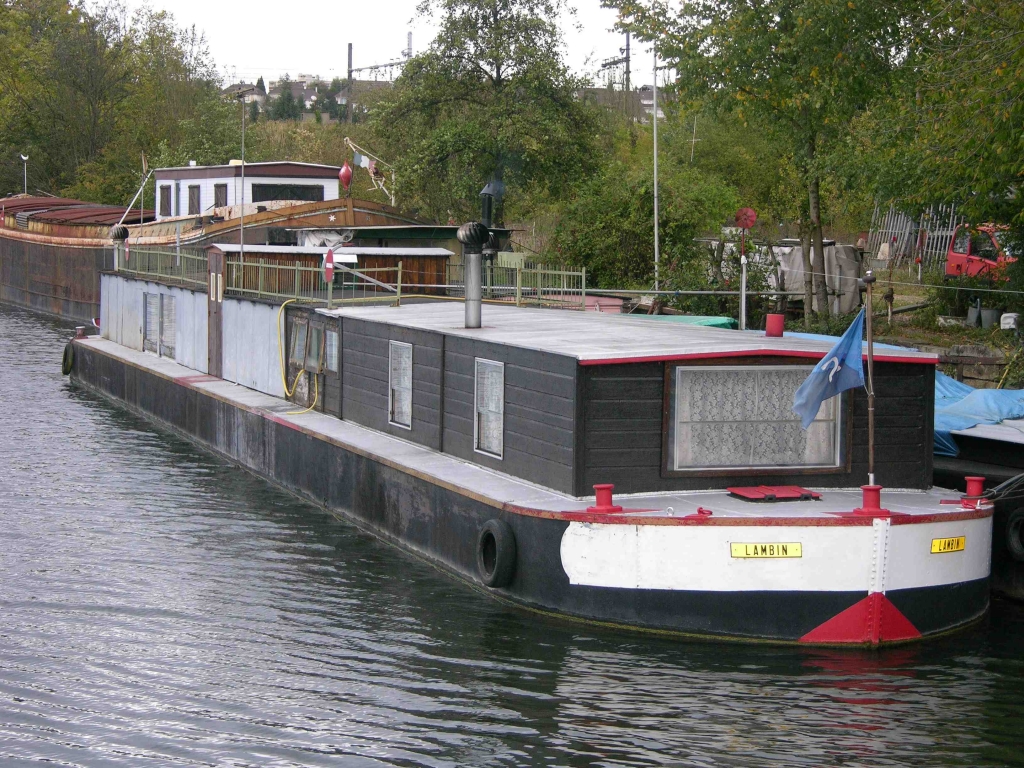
(710, 322)
(960, 406)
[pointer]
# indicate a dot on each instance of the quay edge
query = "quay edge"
(387, 486)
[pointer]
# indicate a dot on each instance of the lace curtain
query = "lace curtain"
(729, 417)
(490, 406)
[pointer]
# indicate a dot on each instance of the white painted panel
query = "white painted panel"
(251, 346)
(835, 558)
(910, 562)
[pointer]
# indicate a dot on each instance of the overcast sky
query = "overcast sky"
(311, 36)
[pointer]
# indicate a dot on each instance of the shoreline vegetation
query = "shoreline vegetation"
(811, 113)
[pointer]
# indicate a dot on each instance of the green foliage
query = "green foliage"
(285, 106)
(86, 93)
(491, 97)
(606, 224)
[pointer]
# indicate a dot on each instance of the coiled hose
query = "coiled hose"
(289, 391)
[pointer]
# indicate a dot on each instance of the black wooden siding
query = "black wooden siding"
(618, 409)
(622, 433)
(364, 351)
(539, 409)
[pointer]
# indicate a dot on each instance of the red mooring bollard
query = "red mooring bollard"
(871, 501)
(603, 502)
(775, 325)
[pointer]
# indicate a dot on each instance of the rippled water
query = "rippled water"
(161, 607)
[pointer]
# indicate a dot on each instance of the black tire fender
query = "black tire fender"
(1015, 534)
(69, 359)
(496, 553)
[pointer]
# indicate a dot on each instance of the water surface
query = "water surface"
(159, 606)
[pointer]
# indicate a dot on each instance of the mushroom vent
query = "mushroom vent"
(119, 232)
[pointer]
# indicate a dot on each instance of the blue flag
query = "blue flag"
(839, 370)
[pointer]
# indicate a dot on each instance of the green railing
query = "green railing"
(275, 279)
(185, 267)
(525, 286)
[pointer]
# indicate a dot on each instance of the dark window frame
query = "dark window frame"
(220, 195)
(310, 193)
(166, 198)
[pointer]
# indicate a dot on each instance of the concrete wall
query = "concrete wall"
(251, 358)
(121, 317)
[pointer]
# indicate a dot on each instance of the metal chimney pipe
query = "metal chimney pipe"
(473, 235)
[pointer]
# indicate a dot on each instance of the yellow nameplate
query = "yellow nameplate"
(784, 549)
(952, 544)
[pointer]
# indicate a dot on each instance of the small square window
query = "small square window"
(298, 351)
(400, 384)
(489, 396)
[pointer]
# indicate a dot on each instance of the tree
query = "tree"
(285, 106)
(254, 111)
(804, 68)
(261, 86)
(490, 98)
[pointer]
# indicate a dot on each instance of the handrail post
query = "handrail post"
(330, 290)
(297, 280)
(519, 287)
(259, 279)
(583, 288)
(398, 300)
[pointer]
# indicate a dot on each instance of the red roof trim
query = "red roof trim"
(885, 358)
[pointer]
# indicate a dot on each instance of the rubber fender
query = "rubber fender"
(496, 553)
(1015, 534)
(69, 359)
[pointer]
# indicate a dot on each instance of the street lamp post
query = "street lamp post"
(24, 162)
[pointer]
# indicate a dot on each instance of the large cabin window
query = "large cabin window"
(733, 417)
(220, 195)
(193, 200)
(489, 396)
(165, 200)
(262, 193)
(400, 384)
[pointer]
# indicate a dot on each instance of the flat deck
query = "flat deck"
(504, 491)
(596, 337)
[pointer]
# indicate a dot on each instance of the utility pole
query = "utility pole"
(24, 162)
(624, 61)
(241, 216)
(654, 122)
(348, 101)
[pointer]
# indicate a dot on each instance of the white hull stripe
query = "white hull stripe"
(833, 559)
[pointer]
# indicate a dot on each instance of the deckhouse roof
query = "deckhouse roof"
(596, 338)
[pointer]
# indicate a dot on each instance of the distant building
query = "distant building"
(234, 89)
(198, 190)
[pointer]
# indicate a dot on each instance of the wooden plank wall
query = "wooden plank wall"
(539, 409)
(622, 433)
(365, 358)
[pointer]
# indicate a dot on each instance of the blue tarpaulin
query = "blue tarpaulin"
(959, 406)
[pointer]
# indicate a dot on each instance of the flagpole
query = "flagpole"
(869, 279)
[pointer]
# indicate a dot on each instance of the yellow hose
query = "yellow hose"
(316, 396)
(288, 392)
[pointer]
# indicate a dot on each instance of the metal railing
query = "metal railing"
(185, 267)
(524, 286)
(274, 279)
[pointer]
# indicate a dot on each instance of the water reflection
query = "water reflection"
(161, 605)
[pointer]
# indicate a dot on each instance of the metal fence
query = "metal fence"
(926, 236)
(524, 286)
(276, 280)
(270, 279)
(185, 267)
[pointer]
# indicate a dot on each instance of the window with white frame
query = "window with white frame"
(741, 417)
(331, 351)
(489, 398)
(400, 384)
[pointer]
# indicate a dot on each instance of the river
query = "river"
(159, 606)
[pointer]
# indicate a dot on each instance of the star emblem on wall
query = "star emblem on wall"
(331, 217)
